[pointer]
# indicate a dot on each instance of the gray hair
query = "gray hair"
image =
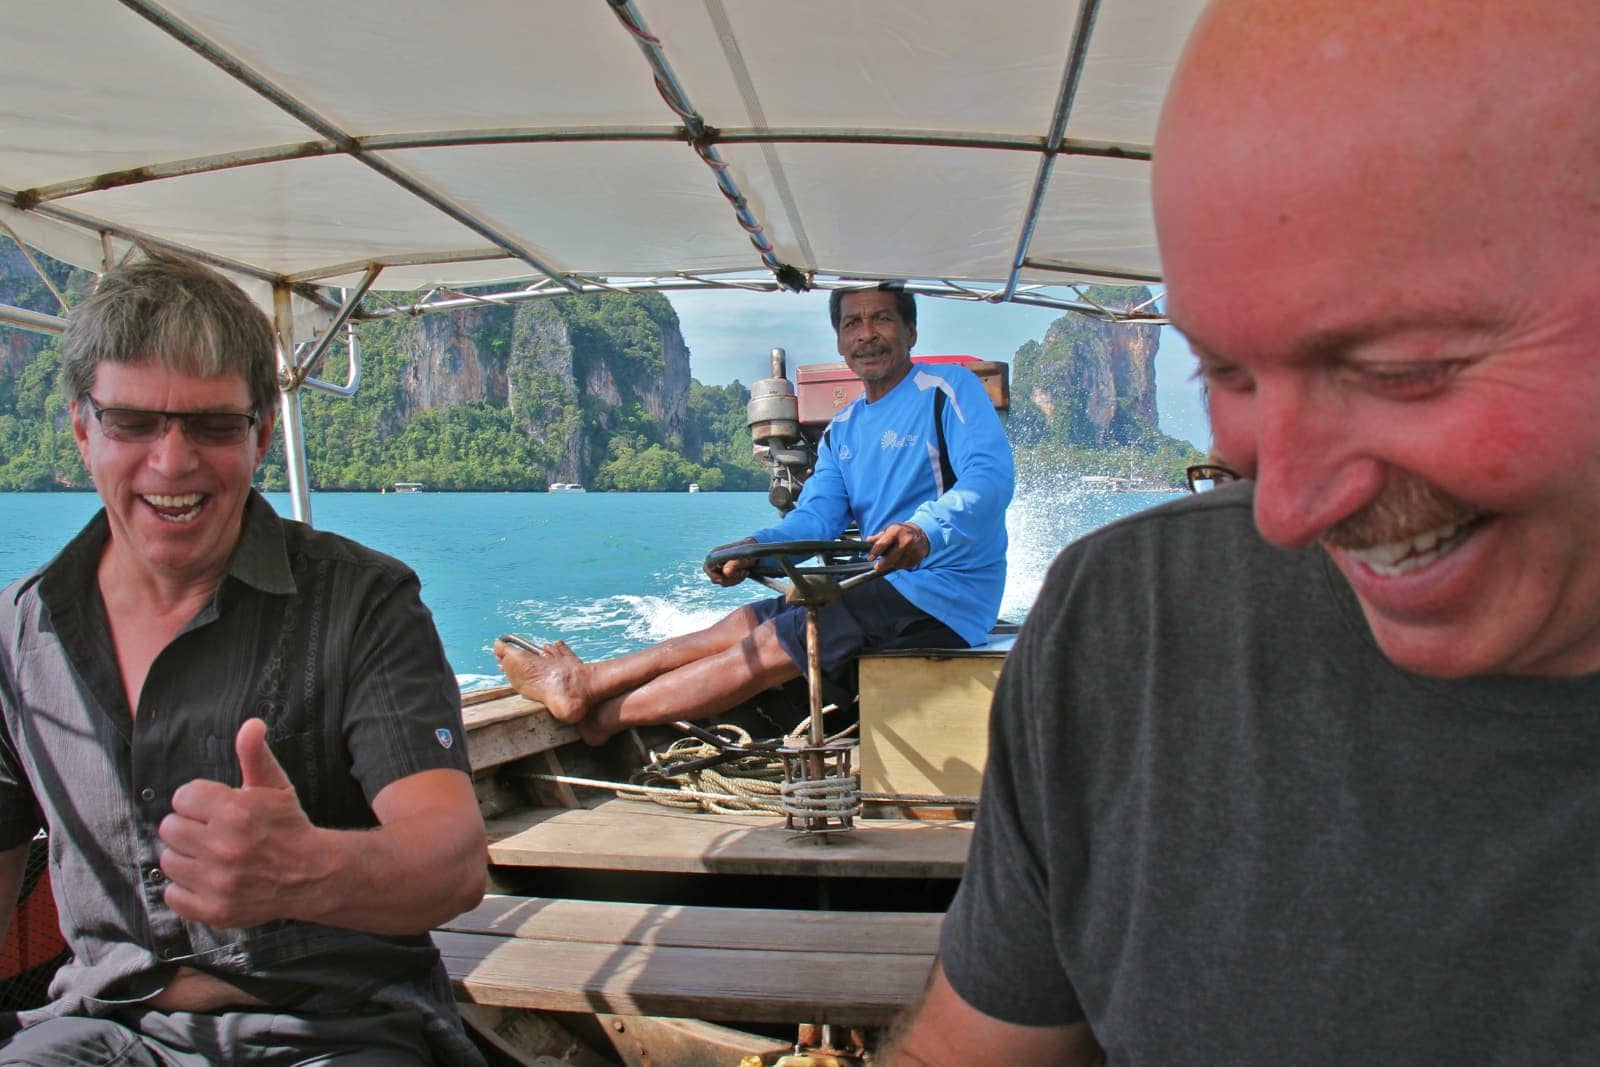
(176, 313)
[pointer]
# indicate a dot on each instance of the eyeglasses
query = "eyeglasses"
(204, 428)
(1206, 476)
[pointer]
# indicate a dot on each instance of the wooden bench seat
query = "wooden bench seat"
(732, 964)
(626, 835)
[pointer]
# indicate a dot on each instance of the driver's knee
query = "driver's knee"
(776, 660)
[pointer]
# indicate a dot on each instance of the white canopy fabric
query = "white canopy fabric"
(1005, 142)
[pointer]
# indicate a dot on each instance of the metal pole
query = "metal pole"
(294, 437)
(814, 674)
(1077, 56)
(36, 321)
(816, 770)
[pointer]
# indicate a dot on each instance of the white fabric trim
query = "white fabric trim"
(926, 381)
(933, 461)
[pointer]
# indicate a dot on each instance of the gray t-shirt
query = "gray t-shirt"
(1219, 825)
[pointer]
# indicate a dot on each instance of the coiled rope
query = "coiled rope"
(741, 785)
(747, 784)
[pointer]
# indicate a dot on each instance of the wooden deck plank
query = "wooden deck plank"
(632, 836)
(482, 696)
(760, 929)
(736, 985)
(509, 727)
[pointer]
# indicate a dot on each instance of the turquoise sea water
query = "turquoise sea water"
(606, 572)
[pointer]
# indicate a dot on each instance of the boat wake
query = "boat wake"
(654, 618)
(1045, 516)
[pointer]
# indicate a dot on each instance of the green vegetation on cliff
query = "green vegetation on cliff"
(36, 447)
(592, 389)
(541, 425)
(570, 389)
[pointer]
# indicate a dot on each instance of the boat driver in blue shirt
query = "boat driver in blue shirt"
(934, 517)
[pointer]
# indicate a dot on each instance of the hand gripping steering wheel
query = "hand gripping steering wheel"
(843, 565)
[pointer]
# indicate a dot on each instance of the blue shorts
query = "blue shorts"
(870, 617)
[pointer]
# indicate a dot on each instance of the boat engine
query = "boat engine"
(787, 419)
(774, 418)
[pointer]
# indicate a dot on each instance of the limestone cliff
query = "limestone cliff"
(574, 372)
(1088, 382)
(450, 367)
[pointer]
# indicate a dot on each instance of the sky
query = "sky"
(731, 335)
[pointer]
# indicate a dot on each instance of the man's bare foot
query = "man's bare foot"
(559, 649)
(553, 677)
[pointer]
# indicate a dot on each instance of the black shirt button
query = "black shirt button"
(147, 794)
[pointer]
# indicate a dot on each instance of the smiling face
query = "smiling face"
(175, 508)
(873, 340)
(1388, 266)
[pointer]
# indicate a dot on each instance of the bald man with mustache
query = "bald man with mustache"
(1307, 769)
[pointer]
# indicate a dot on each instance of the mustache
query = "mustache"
(1398, 514)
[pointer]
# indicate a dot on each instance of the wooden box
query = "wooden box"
(925, 720)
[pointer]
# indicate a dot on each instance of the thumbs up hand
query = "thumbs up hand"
(241, 857)
(259, 766)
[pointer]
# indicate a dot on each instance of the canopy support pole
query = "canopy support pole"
(1070, 77)
(34, 321)
(27, 254)
(294, 433)
(300, 370)
(246, 75)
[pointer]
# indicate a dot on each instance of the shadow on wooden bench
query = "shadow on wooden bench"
(627, 835)
(732, 964)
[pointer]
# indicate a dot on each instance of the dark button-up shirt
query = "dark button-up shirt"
(325, 640)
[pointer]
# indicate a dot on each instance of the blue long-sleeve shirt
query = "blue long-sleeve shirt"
(879, 464)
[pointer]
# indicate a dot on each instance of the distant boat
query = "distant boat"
(694, 487)
(565, 487)
(408, 487)
(1111, 483)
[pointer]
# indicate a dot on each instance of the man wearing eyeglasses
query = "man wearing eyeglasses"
(1306, 770)
(241, 733)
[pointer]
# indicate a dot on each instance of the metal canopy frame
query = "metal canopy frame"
(77, 204)
(692, 130)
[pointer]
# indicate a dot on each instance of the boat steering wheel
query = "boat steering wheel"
(843, 565)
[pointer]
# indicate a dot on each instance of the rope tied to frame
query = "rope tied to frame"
(749, 784)
(674, 795)
(831, 798)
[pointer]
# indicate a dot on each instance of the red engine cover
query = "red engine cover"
(824, 388)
